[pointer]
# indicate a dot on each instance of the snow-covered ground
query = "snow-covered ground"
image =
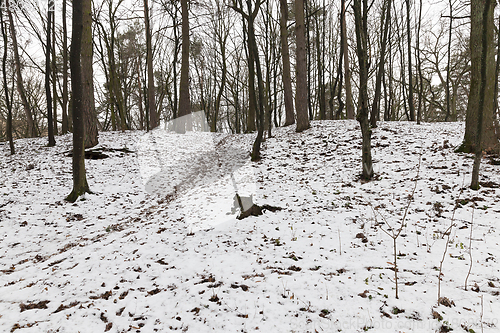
(135, 258)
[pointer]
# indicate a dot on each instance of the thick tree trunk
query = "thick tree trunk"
(361, 18)
(90, 117)
(301, 103)
(482, 77)
(489, 141)
(285, 55)
(48, 95)
(80, 185)
(31, 128)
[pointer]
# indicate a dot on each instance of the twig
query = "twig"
(448, 233)
(470, 248)
(395, 234)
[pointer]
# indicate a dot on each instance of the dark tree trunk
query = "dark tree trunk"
(154, 119)
(350, 113)
(48, 95)
(482, 75)
(65, 122)
(54, 75)
(184, 100)
(285, 55)
(89, 116)
(301, 101)
(361, 21)
(410, 69)
(80, 185)
(5, 86)
(385, 23)
(489, 142)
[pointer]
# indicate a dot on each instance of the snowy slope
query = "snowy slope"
(127, 259)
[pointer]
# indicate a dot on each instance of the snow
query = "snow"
(132, 257)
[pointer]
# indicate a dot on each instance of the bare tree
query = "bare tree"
(361, 21)
(483, 78)
(80, 185)
(301, 100)
(48, 95)
(8, 103)
(31, 128)
(285, 55)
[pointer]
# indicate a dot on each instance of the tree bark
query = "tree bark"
(8, 103)
(285, 55)
(410, 69)
(489, 142)
(301, 103)
(80, 185)
(482, 75)
(361, 21)
(90, 117)
(184, 100)
(154, 119)
(65, 122)
(385, 22)
(48, 95)
(350, 112)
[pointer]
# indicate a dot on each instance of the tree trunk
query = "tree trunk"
(301, 103)
(48, 95)
(252, 98)
(31, 128)
(410, 69)
(285, 55)
(65, 122)
(8, 103)
(54, 74)
(154, 119)
(482, 76)
(90, 117)
(184, 100)
(385, 22)
(361, 21)
(489, 141)
(80, 185)
(350, 113)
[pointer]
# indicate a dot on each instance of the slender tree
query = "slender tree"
(154, 119)
(410, 67)
(184, 100)
(350, 113)
(31, 129)
(80, 185)
(361, 21)
(285, 56)
(48, 95)
(65, 121)
(301, 100)
(90, 116)
(8, 103)
(385, 23)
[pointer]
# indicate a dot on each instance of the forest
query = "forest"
(249, 165)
